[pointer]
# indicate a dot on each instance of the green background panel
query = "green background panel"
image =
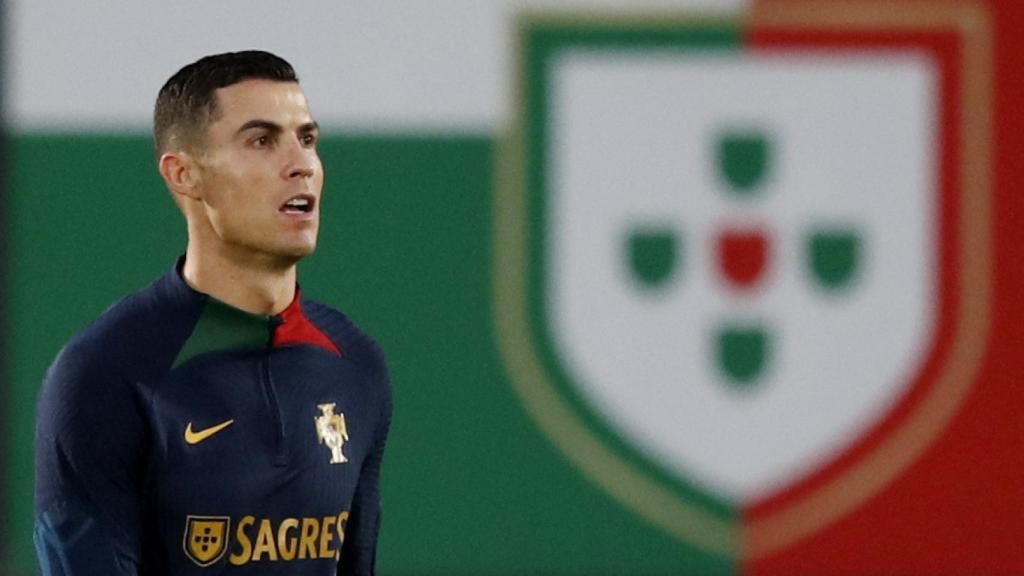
(471, 486)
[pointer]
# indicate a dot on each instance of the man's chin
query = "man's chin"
(296, 253)
(287, 256)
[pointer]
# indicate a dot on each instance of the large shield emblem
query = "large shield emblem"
(206, 538)
(742, 272)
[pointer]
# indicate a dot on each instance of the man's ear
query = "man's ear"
(180, 172)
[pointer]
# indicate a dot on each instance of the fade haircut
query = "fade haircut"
(187, 103)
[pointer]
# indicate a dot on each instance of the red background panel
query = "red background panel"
(959, 509)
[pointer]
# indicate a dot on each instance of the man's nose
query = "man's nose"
(302, 162)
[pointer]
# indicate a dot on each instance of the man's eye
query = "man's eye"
(309, 140)
(261, 142)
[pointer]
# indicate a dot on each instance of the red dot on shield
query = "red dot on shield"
(742, 257)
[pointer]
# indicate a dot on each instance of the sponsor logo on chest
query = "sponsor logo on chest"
(255, 539)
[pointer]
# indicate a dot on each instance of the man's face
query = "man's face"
(260, 174)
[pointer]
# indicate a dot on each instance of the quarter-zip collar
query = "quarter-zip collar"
(220, 326)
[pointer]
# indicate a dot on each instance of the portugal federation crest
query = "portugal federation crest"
(742, 268)
(332, 432)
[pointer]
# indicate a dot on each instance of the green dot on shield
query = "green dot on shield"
(743, 159)
(653, 255)
(834, 257)
(743, 355)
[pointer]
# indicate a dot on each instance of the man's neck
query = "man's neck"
(250, 286)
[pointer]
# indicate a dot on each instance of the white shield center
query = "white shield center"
(635, 145)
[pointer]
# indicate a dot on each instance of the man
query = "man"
(218, 421)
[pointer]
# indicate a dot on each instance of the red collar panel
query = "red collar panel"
(295, 328)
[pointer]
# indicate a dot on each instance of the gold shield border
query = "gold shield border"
(877, 469)
(189, 522)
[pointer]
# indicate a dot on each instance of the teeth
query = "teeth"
(298, 202)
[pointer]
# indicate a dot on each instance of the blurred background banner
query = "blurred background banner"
(668, 287)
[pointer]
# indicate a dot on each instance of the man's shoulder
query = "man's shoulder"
(357, 345)
(134, 336)
(88, 398)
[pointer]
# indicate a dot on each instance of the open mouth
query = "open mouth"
(301, 204)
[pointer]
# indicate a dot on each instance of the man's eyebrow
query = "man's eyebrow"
(261, 124)
(274, 127)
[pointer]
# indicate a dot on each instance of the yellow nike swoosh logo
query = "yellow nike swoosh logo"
(197, 437)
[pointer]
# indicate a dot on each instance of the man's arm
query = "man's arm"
(88, 505)
(359, 550)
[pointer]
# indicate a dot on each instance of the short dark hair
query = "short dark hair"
(187, 102)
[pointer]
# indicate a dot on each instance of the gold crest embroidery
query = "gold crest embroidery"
(332, 431)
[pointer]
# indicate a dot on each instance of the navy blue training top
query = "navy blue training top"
(179, 435)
